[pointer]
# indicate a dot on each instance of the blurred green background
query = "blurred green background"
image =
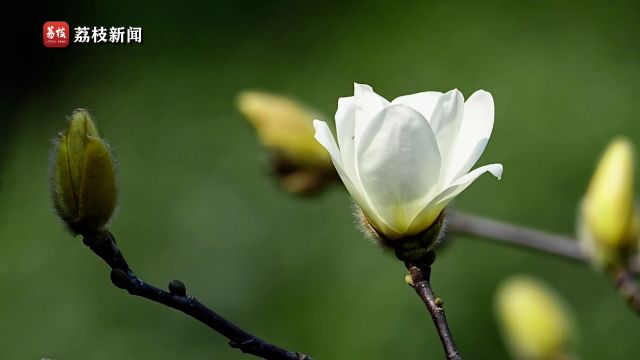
(197, 202)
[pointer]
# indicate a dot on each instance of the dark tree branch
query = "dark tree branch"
(420, 281)
(509, 234)
(104, 245)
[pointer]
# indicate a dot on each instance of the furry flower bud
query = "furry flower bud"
(607, 223)
(285, 128)
(535, 322)
(82, 176)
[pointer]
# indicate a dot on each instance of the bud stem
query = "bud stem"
(421, 276)
(625, 282)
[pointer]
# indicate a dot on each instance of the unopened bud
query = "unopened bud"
(607, 223)
(286, 129)
(535, 322)
(83, 176)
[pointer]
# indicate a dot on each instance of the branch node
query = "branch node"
(242, 344)
(120, 279)
(104, 245)
(177, 287)
(420, 274)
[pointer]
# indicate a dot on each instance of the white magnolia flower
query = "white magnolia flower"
(403, 161)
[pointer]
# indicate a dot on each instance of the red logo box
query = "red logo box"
(55, 34)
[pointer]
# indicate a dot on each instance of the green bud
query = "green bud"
(83, 176)
(409, 280)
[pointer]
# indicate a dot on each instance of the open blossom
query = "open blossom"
(403, 161)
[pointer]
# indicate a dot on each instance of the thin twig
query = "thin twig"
(568, 248)
(420, 278)
(509, 234)
(627, 287)
(104, 245)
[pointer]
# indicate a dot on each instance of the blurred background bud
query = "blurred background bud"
(534, 321)
(82, 176)
(607, 222)
(285, 128)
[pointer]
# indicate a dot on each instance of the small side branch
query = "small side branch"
(514, 235)
(104, 245)
(627, 287)
(420, 281)
(565, 247)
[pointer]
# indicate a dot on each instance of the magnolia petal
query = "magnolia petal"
(431, 212)
(399, 163)
(97, 193)
(345, 126)
(474, 133)
(325, 138)
(446, 123)
(424, 219)
(66, 196)
(368, 104)
(423, 102)
(463, 182)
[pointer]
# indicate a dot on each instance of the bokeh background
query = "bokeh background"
(197, 202)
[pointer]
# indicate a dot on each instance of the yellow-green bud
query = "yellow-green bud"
(83, 176)
(284, 125)
(535, 322)
(286, 129)
(607, 223)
